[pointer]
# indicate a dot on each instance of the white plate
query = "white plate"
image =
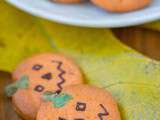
(86, 14)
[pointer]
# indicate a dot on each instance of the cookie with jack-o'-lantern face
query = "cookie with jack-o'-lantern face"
(38, 74)
(49, 66)
(122, 5)
(79, 102)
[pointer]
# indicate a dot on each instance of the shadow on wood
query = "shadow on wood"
(6, 109)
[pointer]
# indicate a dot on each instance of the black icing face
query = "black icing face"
(82, 107)
(53, 76)
(49, 72)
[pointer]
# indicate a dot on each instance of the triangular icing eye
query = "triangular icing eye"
(58, 100)
(47, 76)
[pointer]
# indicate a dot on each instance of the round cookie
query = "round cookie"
(67, 1)
(49, 66)
(121, 5)
(38, 74)
(79, 102)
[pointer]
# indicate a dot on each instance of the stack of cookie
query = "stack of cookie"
(50, 87)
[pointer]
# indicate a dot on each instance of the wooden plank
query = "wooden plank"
(6, 109)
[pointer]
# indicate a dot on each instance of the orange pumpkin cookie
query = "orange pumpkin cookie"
(49, 66)
(79, 102)
(121, 5)
(38, 74)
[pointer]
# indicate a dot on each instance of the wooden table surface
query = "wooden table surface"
(145, 41)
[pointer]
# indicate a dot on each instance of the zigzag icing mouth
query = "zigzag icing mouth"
(61, 75)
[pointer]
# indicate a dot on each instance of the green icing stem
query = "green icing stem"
(22, 83)
(58, 100)
(10, 90)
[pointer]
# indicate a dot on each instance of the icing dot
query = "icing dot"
(81, 106)
(37, 67)
(39, 88)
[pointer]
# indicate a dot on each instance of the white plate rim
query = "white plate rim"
(103, 24)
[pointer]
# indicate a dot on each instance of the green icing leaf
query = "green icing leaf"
(61, 100)
(23, 83)
(10, 90)
(133, 79)
(48, 96)
(58, 100)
